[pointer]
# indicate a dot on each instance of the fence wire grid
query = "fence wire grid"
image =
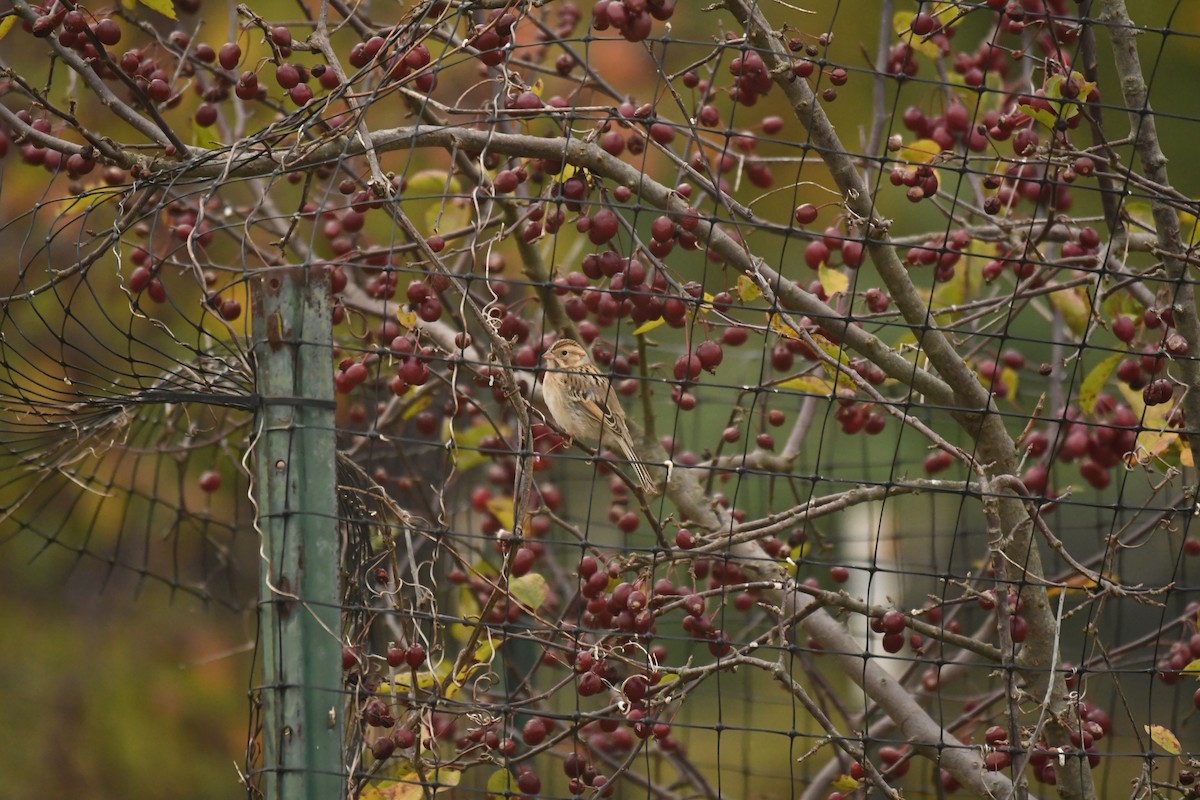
(883, 312)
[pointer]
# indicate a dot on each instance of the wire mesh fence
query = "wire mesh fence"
(633, 398)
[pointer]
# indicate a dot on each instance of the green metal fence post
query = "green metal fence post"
(302, 700)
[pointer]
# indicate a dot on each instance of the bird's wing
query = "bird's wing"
(596, 398)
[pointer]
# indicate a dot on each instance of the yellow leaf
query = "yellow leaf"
(426, 680)
(1011, 379)
(431, 183)
(1139, 211)
(568, 171)
(922, 151)
(164, 7)
(781, 327)
(832, 281)
(416, 407)
(808, 384)
(1074, 307)
(1192, 670)
(798, 552)
(648, 326)
(1094, 383)
(501, 784)
(466, 443)
(1134, 398)
(1163, 737)
(960, 287)
(1157, 438)
(468, 610)
(7, 24)
(902, 25)
(1077, 582)
(401, 781)
(1040, 115)
(834, 351)
(1152, 445)
(484, 653)
(502, 509)
(93, 198)
(529, 590)
(1189, 225)
(844, 783)
(1053, 92)
(406, 316)
(747, 289)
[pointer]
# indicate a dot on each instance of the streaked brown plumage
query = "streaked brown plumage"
(585, 405)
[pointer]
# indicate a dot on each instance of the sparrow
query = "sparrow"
(583, 403)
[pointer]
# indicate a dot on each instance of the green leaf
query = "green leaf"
(1094, 383)
(529, 590)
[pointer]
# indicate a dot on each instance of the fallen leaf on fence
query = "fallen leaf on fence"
(1163, 737)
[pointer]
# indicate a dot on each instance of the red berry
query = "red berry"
(210, 481)
(395, 657)
(229, 55)
(414, 656)
(529, 783)
(534, 732)
(108, 32)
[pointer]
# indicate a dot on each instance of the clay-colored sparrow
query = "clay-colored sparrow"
(585, 405)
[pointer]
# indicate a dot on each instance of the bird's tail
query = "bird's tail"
(643, 474)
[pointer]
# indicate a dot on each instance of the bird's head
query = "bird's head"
(566, 354)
